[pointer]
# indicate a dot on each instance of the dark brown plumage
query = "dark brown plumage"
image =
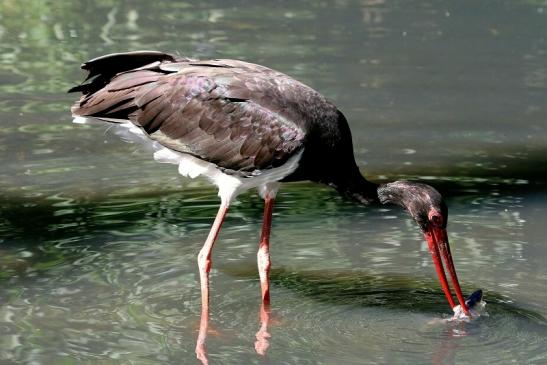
(242, 117)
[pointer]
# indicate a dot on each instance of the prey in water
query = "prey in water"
(474, 303)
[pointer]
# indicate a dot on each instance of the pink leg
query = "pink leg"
(204, 264)
(201, 348)
(263, 258)
(263, 255)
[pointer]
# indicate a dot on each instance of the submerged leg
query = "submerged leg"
(263, 255)
(201, 348)
(204, 264)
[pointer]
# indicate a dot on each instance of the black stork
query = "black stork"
(243, 126)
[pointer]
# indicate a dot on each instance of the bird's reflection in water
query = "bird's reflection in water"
(262, 342)
(444, 355)
(446, 352)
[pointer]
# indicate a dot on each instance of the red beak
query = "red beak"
(437, 241)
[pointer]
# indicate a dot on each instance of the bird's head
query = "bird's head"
(423, 202)
(427, 207)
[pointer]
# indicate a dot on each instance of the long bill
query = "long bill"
(437, 241)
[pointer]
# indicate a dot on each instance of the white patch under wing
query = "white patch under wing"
(229, 186)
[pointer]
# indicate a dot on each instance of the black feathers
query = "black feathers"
(217, 110)
(102, 69)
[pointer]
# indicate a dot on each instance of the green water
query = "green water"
(98, 242)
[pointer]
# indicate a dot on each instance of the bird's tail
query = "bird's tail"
(102, 69)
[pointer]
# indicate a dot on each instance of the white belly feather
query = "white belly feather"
(229, 186)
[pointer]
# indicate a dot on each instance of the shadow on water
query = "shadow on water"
(401, 292)
(407, 313)
(69, 213)
(151, 214)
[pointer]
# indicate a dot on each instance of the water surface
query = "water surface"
(98, 242)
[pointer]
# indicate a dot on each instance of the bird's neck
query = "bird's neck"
(357, 188)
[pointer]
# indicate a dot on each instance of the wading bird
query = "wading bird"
(243, 126)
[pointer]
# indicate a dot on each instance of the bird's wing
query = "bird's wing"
(213, 110)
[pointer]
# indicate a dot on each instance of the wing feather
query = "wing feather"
(210, 110)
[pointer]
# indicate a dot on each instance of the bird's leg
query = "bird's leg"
(201, 348)
(204, 264)
(262, 342)
(263, 254)
(204, 256)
